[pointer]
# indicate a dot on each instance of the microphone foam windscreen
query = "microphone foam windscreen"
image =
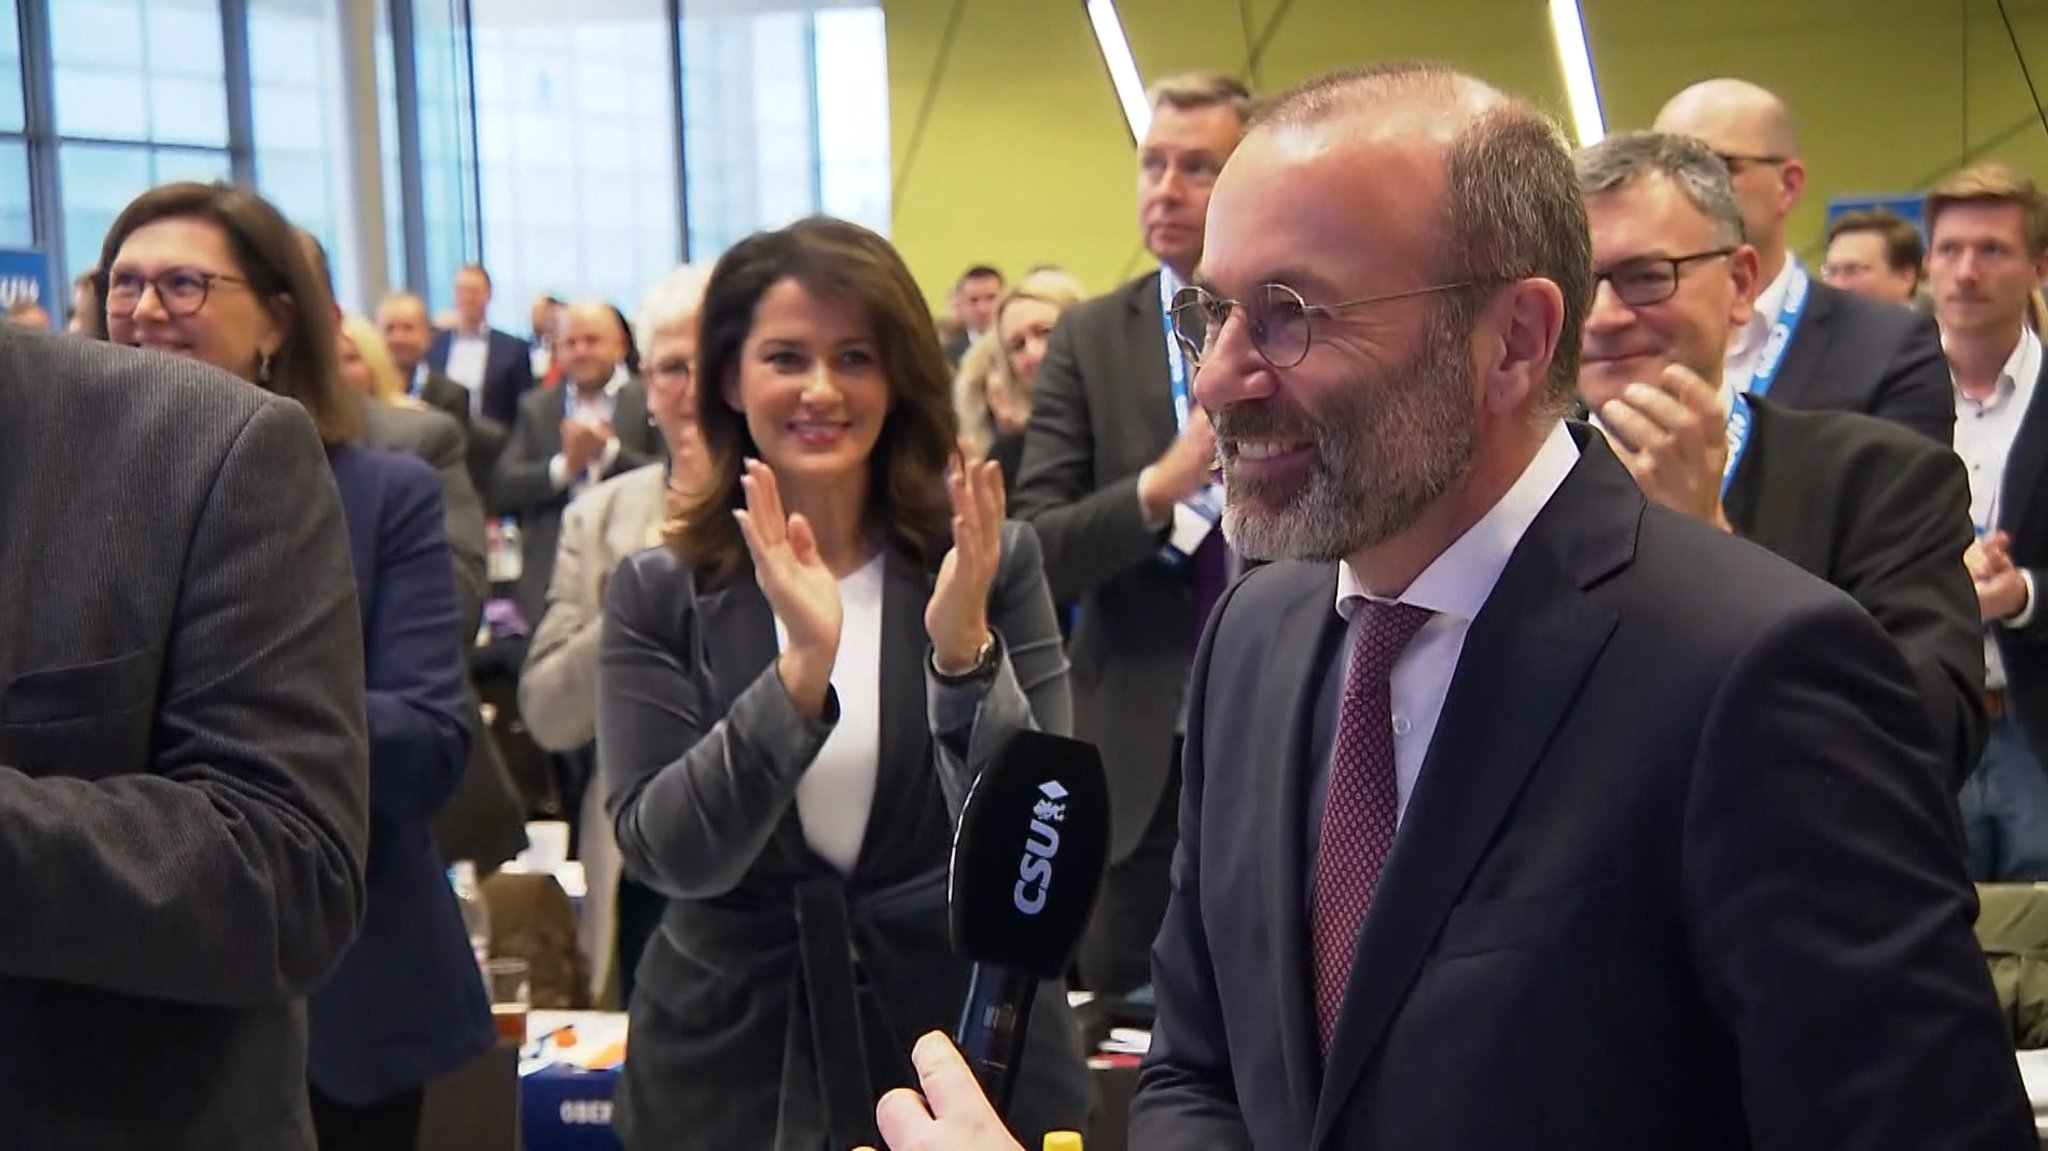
(1030, 854)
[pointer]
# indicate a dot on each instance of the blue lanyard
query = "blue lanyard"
(1176, 363)
(1772, 355)
(1769, 359)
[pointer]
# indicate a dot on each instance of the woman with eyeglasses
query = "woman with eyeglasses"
(794, 695)
(215, 273)
(558, 686)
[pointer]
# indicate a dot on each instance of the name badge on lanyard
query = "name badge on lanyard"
(1769, 359)
(1195, 517)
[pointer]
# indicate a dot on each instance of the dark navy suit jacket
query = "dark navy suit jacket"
(1679, 872)
(508, 372)
(407, 1003)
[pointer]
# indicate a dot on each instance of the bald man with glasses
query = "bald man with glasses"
(1841, 352)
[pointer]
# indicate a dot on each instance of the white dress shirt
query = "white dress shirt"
(469, 355)
(1455, 586)
(838, 789)
(1985, 431)
(1747, 342)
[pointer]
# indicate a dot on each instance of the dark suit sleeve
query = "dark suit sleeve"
(232, 873)
(1829, 918)
(1090, 536)
(521, 484)
(1916, 389)
(437, 352)
(695, 788)
(1907, 571)
(639, 444)
(448, 451)
(1186, 1096)
(417, 695)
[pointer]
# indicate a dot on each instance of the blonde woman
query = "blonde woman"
(366, 364)
(992, 388)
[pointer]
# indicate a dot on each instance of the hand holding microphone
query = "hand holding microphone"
(950, 1115)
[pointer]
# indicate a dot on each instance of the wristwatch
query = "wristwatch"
(984, 664)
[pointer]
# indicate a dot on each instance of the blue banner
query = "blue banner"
(24, 278)
(1909, 207)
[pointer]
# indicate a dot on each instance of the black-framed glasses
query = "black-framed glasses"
(1651, 280)
(181, 291)
(1737, 162)
(1280, 321)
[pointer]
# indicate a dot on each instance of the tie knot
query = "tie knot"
(1385, 631)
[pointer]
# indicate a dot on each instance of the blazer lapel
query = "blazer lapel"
(1310, 625)
(1801, 365)
(1148, 391)
(736, 641)
(2029, 454)
(1523, 661)
(903, 751)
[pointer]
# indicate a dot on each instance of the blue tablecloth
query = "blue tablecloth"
(564, 1105)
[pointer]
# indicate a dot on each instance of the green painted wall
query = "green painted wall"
(1014, 151)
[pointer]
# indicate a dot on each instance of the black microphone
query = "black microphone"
(1028, 861)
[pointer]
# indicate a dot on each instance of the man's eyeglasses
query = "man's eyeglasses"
(181, 291)
(1738, 163)
(1640, 283)
(1279, 320)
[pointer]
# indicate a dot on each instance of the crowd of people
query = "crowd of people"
(1548, 646)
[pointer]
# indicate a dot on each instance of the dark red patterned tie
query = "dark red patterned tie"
(1361, 805)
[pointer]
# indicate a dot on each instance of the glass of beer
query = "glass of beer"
(511, 997)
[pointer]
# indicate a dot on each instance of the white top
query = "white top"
(469, 355)
(1455, 586)
(1747, 342)
(838, 789)
(1984, 437)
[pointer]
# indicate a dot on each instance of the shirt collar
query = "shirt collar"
(1768, 304)
(2016, 379)
(1458, 582)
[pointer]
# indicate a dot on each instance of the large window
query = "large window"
(786, 114)
(446, 126)
(17, 223)
(576, 128)
(143, 71)
(298, 99)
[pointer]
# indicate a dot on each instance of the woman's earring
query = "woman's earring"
(263, 369)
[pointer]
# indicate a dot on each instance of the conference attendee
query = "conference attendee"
(558, 686)
(795, 694)
(569, 439)
(405, 1004)
(992, 389)
(971, 309)
(1116, 479)
(1988, 233)
(1876, 510)
(1807, 345)
(495, 367)
(545, 317)
(1575, 822)
(485, 821)
(402, 319)
(87, 316)
(184, 822)
(1874, 253)
(28, 314)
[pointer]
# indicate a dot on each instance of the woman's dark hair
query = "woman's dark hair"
(268, 255)
(843, 262)
(632, 350)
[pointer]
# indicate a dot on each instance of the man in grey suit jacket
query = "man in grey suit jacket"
(1106, 461)
(553, 457)
(181, 723)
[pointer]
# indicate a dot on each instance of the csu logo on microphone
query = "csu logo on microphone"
(1034, 870)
